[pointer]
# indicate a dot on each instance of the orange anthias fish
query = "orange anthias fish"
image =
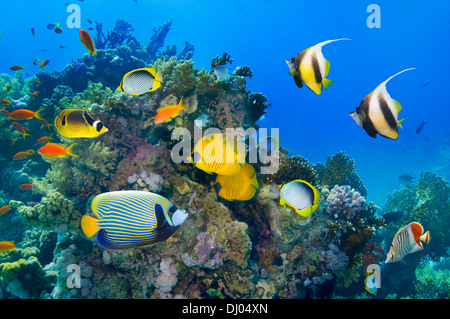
(16, 68)
(4, 209)
(23, 154)
(167, 113)
(5, 102)
(44, 64)
(26, 187)
(22, 130)
(44, 122)
(87, 42)
(56, 150)
(6, 246)
(34, 94)
(44, 139)
(23, 114)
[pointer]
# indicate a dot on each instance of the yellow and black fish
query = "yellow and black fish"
(76, 123)
(378, 112)
(311, 67)
(241, 186)
(130, 219)
(140, 81)
(301, 196)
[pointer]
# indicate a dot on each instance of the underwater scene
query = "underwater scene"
(236, 150)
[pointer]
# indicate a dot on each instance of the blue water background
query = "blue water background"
(263, 34)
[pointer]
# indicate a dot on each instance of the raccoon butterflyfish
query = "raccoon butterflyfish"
(212, 154)
(301, 196)
(378, 112)
(407, 240)
(76, 123)
(311, 68)
(241, 186)
(130, 219)
(140, 81)
(167, 113)
(52, 150)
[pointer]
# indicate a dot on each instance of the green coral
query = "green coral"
(224, 59)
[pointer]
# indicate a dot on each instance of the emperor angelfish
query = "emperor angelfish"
(311, 68)
(77, 123)
(301, 196)
(378, 112)
(130, 219)
(407, 240)
(140, 81)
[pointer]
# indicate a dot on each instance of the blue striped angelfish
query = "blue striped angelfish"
(130, 219)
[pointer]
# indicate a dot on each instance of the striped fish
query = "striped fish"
(407, 240)
(130, 219)
(311, 68)
(378, 112)
(301, 196)
(77, 123)
(140, 81)
(241, 186)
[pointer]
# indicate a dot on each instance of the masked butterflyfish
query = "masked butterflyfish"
(407, 240)
(130, 219)
(213, 154)
(378, 112)
(301, 196)
(311, 67)
(76, 123)
(241, 186)
(140, 81)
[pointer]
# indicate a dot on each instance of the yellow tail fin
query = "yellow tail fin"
(89, 226)
(69, 150)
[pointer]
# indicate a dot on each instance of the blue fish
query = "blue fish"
(130, 219)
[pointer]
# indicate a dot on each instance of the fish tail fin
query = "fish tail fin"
(69, 150)
(89, 226)
(425, 237)
(399, 122)
(37, 115)
(181, 105)
(93, 53)
(5, 112)
(326, 83)
(25, 134)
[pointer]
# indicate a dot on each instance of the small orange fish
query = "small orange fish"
(86, 40)
(167, 113)
(26, 187)
(6, 246)
(37, 82)
(34, 94)
(23, 114)
(16, 68)
(56, 150)
(4, 209)
(5, 102)
(22, 130)
(20, 155)
(44, 122)
(44, 139)
(8, 87)
(44, 64)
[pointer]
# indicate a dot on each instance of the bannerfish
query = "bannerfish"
(222, 72)
(202, 121)
(301, 196)
(140, 81)
(408, 240)
(4, 209)
(311, 67)
(420, 127)
(392, 216)
(241, 186)
(131, 219)
(378, 112)
(406, 180)
(23, 114)
(210, 155)
(52, 150)
(167, 113)
(22, 130)
(77, 123)
(86, 40)
(6, 246)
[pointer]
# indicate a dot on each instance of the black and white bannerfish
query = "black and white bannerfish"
(301, 196)
(140, 81)
(407, 240)
(311, 68)
(378, 112)
(130, 219)
(77, 123)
